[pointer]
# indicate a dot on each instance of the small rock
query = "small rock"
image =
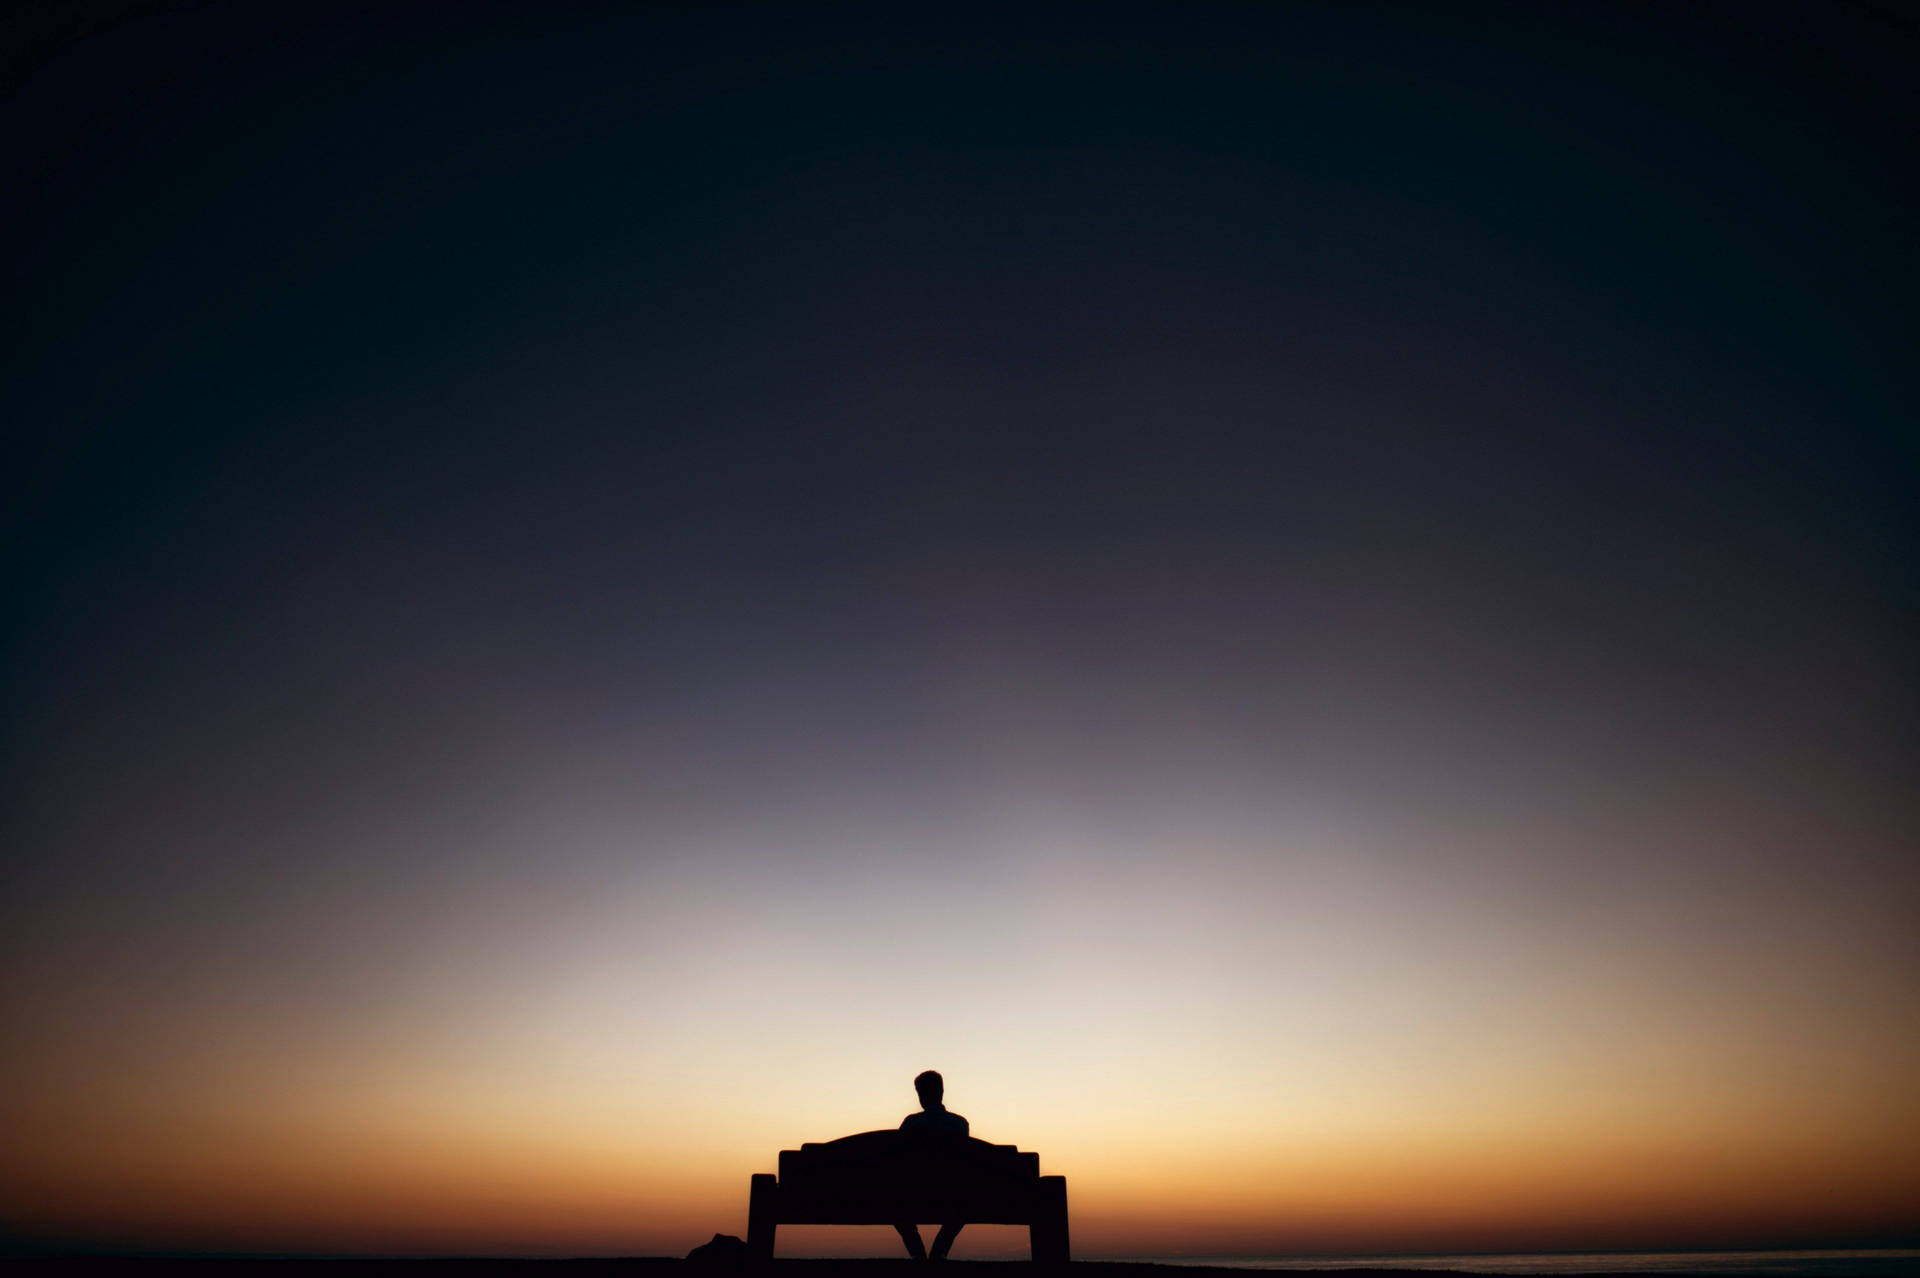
(725, 1249)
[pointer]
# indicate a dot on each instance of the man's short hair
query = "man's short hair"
(930, 1086)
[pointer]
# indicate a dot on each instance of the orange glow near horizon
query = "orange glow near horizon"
(524, 1186)
(1204, 1084)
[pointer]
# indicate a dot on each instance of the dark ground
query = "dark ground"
(650, 1267)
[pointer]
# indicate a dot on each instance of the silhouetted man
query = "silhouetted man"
(933, 1117)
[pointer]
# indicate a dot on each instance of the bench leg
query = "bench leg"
(762, 1216)
(1047, 1235)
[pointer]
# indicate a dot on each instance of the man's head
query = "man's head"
(931, 1087)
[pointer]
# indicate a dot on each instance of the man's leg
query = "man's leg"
(943, 1241)
(910, 1235)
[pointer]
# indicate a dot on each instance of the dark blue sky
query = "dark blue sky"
(591, 342)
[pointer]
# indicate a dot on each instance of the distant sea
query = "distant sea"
(1879, 1263)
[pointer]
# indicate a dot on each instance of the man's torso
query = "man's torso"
(940, 1119)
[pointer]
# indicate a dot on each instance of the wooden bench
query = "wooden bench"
(892, 1177)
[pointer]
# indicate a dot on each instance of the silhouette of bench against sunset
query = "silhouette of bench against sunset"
(885, 1177)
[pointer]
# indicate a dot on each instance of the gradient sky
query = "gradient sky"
(1315, 603)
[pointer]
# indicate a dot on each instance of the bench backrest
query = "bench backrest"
(895, 1165)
